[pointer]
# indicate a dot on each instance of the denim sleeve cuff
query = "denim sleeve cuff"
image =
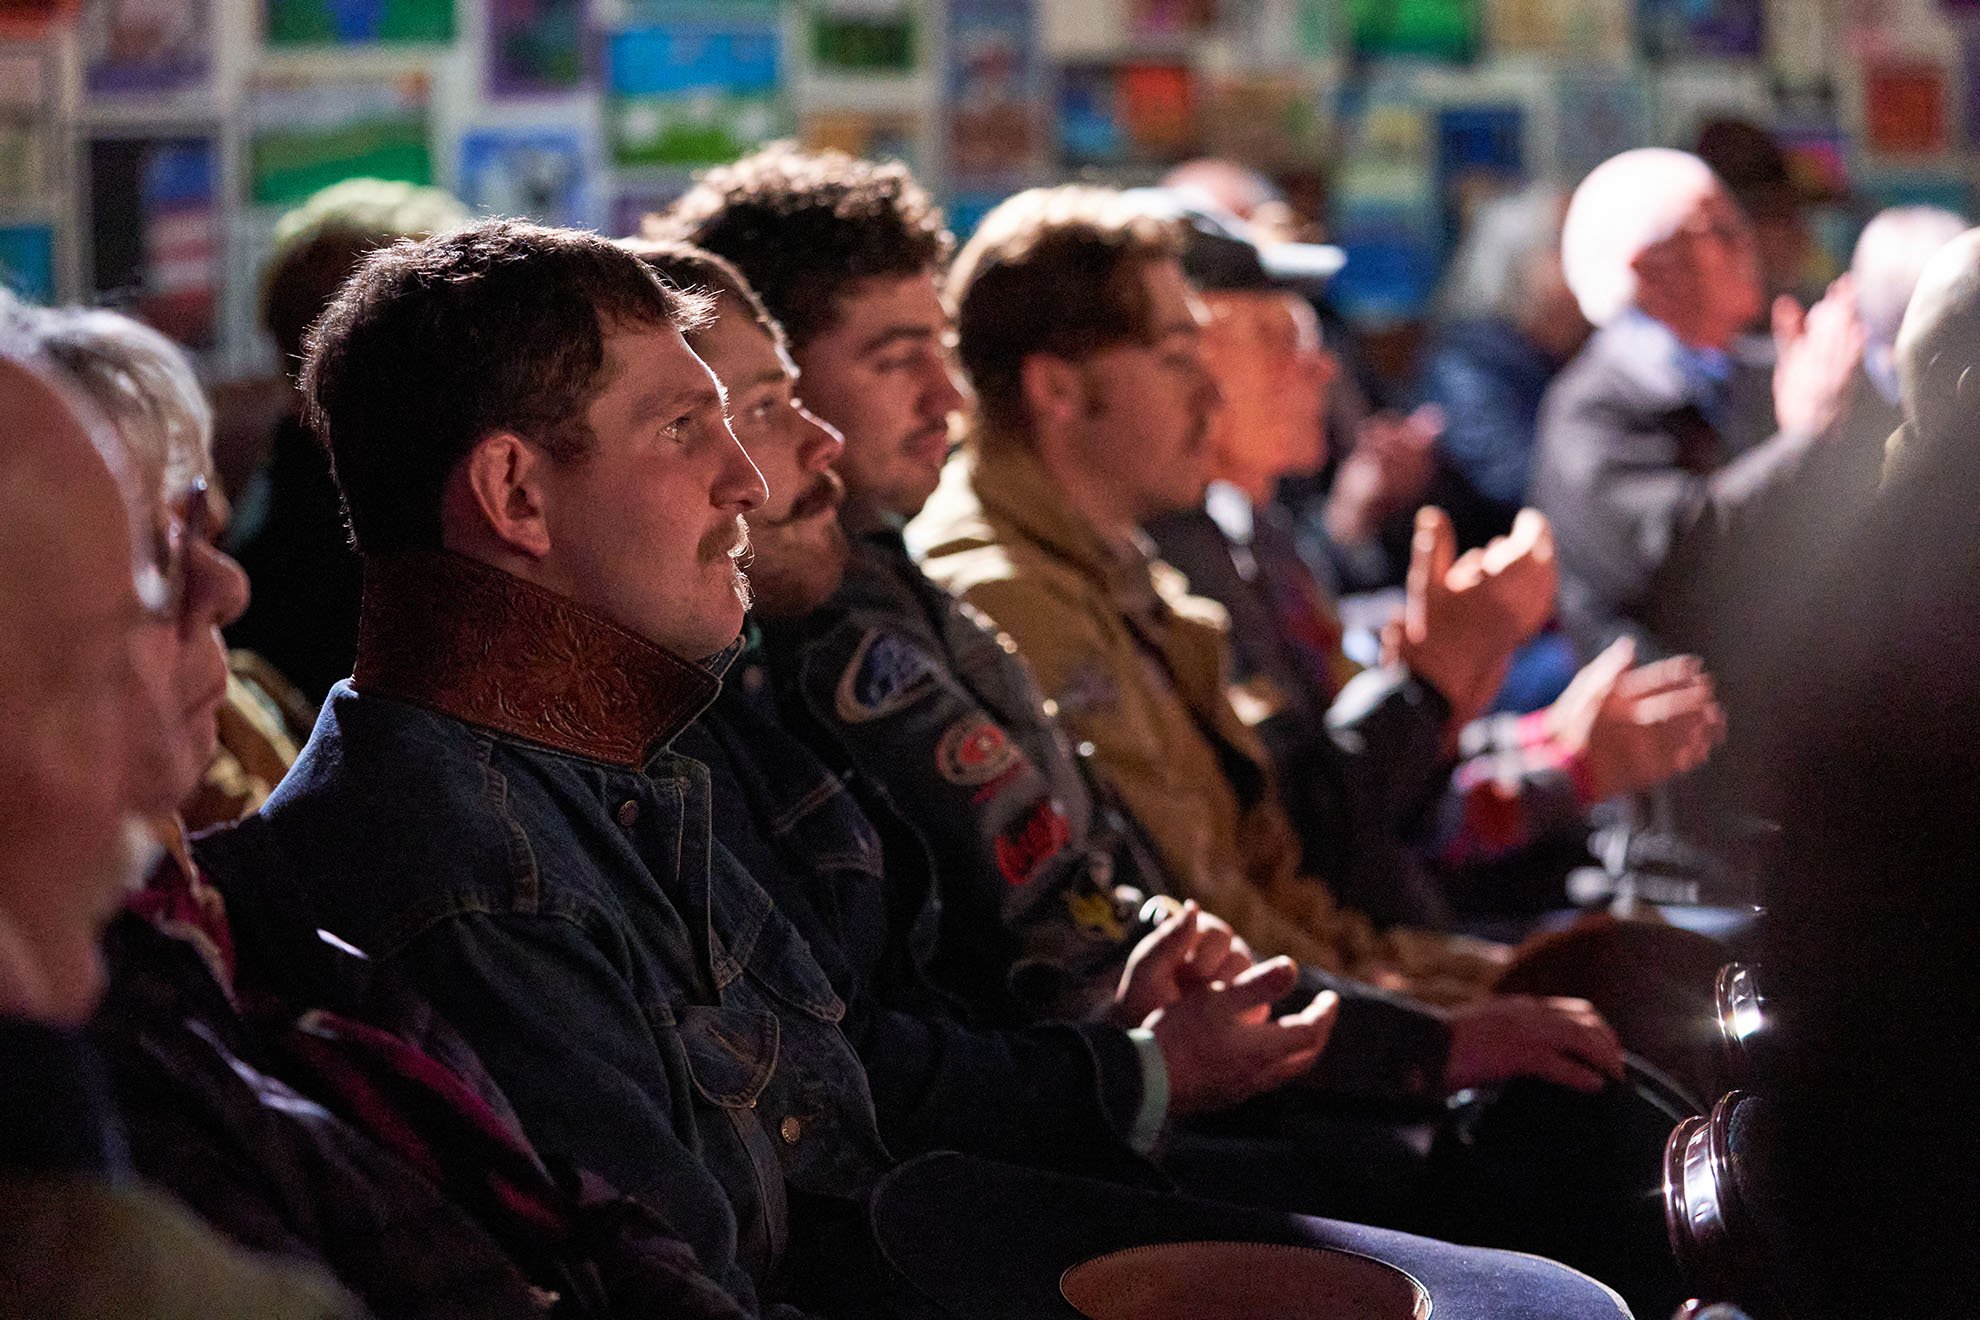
(1154, 1112)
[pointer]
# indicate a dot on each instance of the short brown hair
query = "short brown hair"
(1051, 270)
(698, 270)
(803, 226)
(437, 343)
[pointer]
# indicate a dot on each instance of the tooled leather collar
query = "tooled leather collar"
(468, 640)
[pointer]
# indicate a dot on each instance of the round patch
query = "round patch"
(974, 751)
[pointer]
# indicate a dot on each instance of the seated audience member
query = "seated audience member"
(1071, 1096)
(1506, 323)
(79, 1237)
(289, 531)
(1359, 755)
(548, 501)
(1872, 914)
(1090, 422)
(1892, 251)
(312, 1135)
(1059, 1095)
(1354, 513)
(1652, 506)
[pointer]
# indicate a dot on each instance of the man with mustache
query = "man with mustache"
(549, 502)
(1081, 1096)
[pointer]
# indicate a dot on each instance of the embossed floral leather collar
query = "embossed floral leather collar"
(468, 640)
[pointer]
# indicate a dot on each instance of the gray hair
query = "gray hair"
(141, 382)
(1487, 275)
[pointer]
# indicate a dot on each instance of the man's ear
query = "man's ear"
(501, 481)
(1054, 389)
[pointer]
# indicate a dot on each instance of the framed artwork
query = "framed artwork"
(358, 22)
(306, 134)
(537, 47)
(27, 261)
(146, 47)
(154, 231)
(539, 172)
(692, 94)
(1701, 29)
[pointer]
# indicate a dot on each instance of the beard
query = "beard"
(797, 566)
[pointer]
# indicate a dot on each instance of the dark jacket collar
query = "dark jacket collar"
(470, 641)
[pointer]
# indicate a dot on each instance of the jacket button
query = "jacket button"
(628, 813)
(790, 1130)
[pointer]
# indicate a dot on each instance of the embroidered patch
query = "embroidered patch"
(886, 673)
(1089, 687)
(974, 751)
(1096, 914)
(1031, 842)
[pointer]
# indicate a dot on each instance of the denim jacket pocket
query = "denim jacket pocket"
(781, 962)
(731, 1052)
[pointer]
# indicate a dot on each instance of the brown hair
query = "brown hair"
(434, 344)
(697, 270)
(1051, 270)
(803, 226)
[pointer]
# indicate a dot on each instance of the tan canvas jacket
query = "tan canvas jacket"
(1139, 668)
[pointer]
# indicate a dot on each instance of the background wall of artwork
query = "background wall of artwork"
(147, 146)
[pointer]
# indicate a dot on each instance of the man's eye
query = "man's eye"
(678, 428)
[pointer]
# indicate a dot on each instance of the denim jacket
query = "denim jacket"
(492, 808)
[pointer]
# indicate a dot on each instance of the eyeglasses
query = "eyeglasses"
(162, 580)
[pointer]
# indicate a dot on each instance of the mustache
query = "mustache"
(730, 541)
(823, 495)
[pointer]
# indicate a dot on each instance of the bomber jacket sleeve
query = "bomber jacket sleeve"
(487, 973)
(1033, 925)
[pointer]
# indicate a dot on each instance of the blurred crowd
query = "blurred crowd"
(783, 765)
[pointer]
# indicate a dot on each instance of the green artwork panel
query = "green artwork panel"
(1440, 29)
(287, 166)
(844, 38)
(705, 130)
(358, 22)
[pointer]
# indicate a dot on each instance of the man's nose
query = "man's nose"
(739, 485)
(941, 394)
(821, 445)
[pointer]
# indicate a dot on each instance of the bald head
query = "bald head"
(1938, 347)
(67, 621)
(1890, 256)
(1225, 184)
(1654, 229)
